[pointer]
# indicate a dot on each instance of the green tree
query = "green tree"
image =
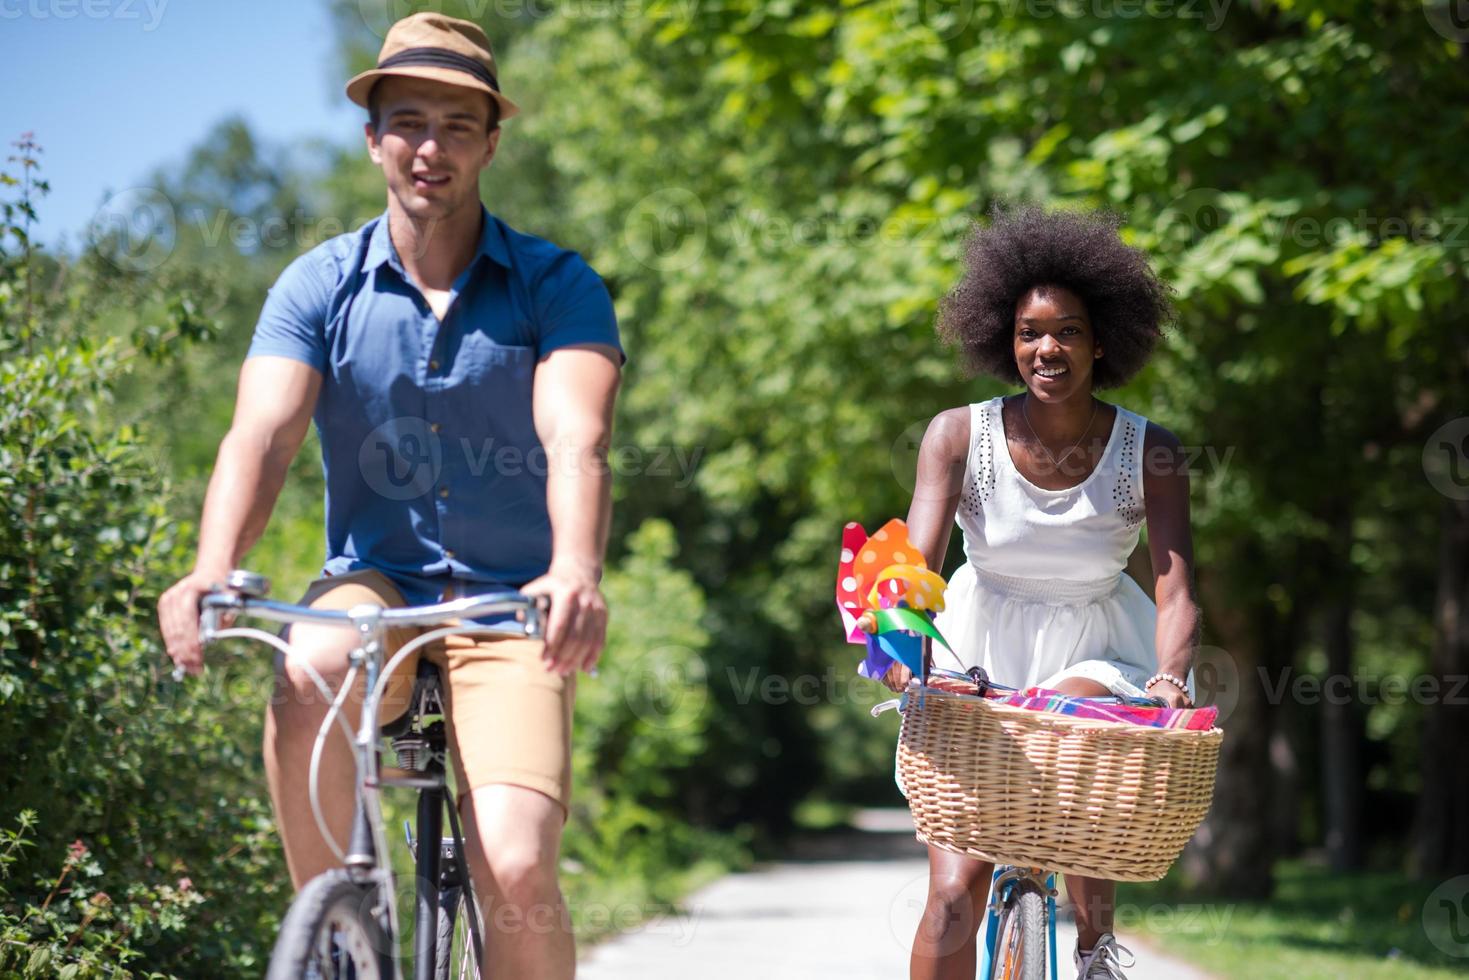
(778, 192)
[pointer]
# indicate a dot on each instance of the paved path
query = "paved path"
(847, 908)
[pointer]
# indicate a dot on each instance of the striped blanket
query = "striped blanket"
(1041, 699)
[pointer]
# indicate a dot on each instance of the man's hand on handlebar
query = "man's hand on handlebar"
(576, 629)
(178, 618)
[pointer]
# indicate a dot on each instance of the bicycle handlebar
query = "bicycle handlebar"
(979, 680)
(244, 594)
(981, 683)
(533, 608)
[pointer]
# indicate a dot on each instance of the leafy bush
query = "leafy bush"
(137, 826)
(640, 725)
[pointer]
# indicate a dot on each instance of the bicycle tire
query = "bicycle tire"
(451, 963)
(1020, 946)
(331, 925)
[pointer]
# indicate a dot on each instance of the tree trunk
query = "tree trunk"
(1341, 739)
(1288, 734)
(1232, 853)
(1441, 829)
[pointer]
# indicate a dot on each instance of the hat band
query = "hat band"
(441, 58)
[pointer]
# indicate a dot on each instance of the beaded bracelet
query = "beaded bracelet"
(1165, 676)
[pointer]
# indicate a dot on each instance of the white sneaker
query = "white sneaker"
(1104, 962)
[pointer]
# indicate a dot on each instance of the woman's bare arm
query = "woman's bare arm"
(940, 480)
(1171, 546)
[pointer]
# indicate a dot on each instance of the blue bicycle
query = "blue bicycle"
(1020, 919)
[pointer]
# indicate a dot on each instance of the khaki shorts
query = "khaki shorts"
(509, 717)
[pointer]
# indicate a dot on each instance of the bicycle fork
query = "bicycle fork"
(1002, 883)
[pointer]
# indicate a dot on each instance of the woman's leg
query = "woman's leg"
(944, 948)
(1093, 901)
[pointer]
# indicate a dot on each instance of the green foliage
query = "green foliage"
(78, 931)
(640, 725)
(779, 194)
(157, 794)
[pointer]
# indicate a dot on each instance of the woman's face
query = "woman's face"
(1054, 344)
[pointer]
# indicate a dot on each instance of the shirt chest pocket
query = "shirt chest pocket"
(483, 362)
(488, 397)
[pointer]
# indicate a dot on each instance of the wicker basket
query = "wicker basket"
(1045, 790)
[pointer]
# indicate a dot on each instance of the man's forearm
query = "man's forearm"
(579, 502)
(242, 492)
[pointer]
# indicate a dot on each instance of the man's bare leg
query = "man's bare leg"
(514, 848)
(291, 723)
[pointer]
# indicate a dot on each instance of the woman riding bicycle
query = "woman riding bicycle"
(1050, 487)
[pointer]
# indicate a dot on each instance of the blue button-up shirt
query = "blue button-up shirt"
(433, 468)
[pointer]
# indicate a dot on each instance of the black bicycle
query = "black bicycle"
(344, 923)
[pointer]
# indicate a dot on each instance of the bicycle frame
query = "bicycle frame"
(244, 595)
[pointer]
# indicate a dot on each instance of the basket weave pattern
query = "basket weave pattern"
(1045, 790)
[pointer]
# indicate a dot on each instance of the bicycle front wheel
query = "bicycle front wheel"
(1020, 946)
(455, 960)
(333, 932)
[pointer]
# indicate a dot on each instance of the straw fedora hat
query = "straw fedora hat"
(433, 46)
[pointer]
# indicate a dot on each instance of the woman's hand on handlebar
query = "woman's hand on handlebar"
(897, 677)
(1170, 695)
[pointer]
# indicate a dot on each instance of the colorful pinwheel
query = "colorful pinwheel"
(886, 594)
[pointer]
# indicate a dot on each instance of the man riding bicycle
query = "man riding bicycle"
(462, 377)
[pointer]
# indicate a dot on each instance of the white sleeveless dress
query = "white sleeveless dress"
(1042, 595)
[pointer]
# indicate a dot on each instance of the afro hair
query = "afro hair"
(1028, 247)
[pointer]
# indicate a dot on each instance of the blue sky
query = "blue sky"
(114, 88)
